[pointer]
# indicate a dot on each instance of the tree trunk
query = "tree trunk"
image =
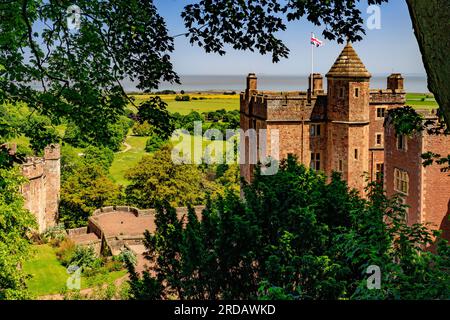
(431, 22)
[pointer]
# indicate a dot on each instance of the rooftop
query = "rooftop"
(348, 64)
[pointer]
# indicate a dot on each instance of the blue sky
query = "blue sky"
(393, 48)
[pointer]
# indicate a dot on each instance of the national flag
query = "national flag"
(316, 42)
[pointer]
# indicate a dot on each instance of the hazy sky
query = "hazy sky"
(393, 48)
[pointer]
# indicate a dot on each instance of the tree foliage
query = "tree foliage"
(16, 224)
(86, 186)
(154, 111)
(77, 74)
(157, 178)
(295, 236)
(255, 24)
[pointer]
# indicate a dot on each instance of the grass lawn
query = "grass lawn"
(50, 277)
(126, 160)
(212, 102)
(421, 101)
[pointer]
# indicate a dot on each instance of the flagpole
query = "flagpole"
(312, 65)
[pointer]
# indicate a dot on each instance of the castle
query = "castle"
(342, 130)
(42, 190)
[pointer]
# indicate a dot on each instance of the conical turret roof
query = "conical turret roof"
(348, 65)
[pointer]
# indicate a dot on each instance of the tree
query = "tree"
(296, 236)
(87, 189)
(256, 24)
(154, 111)
(16, 223)
(156, 178)
(76, 74)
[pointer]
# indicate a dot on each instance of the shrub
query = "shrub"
(85, 257)
(127, 256)
(55, 235)
(114, 265)
(144, 129)
(65, 252)
(183, 98)
(154, 143)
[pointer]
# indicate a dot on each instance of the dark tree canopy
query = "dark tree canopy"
(77, 74)
(254, 24)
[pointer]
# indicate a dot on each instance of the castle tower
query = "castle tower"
(52, 169)
(348, 116)
(34, 190)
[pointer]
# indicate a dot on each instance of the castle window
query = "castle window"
(401, 181)
(401, 142)
(341, 166)
(356, 154)
(315, 161)
(315, 130)
(379, 172)
(381, 112)
(341, 93)
(379, 139)
(356, 92)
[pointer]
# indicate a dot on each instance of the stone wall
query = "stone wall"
(42, 191)
(428, 196)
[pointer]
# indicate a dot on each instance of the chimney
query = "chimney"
(395, 82)
(317, 83)
(252, 84)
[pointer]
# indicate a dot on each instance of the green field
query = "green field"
(50, 277)
(421, 101)
(123, 161)
(215, 102)
(126, 160)
(212, 102)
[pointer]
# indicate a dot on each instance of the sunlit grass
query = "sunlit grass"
(50, 277)
(211, 102)
(421, 101)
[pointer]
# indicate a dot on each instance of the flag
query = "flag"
(316, 42)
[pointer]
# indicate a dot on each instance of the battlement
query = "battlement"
(428, 114)
(33, 168)
(52, 152)
(387, 96)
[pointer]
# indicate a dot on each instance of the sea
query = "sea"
(220, 83)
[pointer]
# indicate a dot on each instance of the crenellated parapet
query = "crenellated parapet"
(387, 96)
(33, 168)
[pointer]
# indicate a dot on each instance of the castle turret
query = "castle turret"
(348, 113)
(52, 156)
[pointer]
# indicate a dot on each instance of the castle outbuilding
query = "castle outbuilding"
(338, 130)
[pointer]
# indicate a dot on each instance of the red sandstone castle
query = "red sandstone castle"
(343, 130)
